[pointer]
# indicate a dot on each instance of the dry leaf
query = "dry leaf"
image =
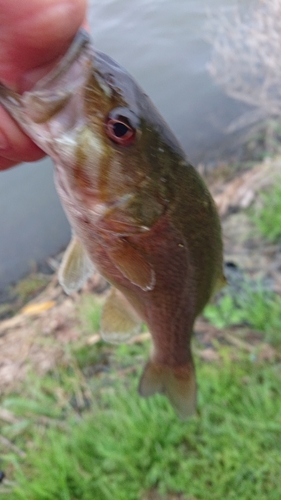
(14, 322)
(241, 191)
(34, 309)
(8, 416)
(94, 339)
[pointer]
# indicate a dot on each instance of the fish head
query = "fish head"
(113, 152)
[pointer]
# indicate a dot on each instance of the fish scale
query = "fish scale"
(140, 213)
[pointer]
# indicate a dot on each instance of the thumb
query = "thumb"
(33, 36)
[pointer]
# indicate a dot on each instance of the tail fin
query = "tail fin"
(178, 384)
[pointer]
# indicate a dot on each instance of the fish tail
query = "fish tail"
(177, 383)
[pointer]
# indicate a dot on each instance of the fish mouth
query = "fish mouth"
(52, 90)
(53, 106)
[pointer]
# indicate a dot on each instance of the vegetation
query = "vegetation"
(81, 431)
(18, 295)
(253, 306)
(30, 286)
(245, 58)
(96, 438)
(267, 216)
(90, 312)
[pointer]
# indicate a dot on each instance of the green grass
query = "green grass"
(30, 286)
(97, 439)
(267, 217)
(253, 306)
(90, 313)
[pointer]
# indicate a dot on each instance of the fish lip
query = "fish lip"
(50, 95)
(52, 86)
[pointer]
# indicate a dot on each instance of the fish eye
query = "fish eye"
(121, 126)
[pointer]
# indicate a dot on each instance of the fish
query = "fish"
(139, 211)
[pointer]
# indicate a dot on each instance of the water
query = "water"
(162, 44)
(32, 223)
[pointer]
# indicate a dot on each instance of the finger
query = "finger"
(36, 34)
(15, 146)
(5, 164)
(32, 38)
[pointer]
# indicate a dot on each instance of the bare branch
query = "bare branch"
(245, 58)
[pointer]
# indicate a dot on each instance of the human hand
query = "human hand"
(33, 36)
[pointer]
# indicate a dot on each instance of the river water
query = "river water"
(161, 43)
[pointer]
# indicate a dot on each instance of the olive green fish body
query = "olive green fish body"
(140, 212)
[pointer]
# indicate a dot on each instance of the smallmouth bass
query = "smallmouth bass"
(139, 211)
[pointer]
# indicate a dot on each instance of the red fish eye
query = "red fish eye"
(122, 125)
(120, 131)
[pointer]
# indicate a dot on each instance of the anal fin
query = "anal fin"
(178, 384)
(119, 321)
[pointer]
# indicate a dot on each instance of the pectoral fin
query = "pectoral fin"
(221, 283)
(133, 265)
(178, 384)
(75, 268)
(119, 321)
